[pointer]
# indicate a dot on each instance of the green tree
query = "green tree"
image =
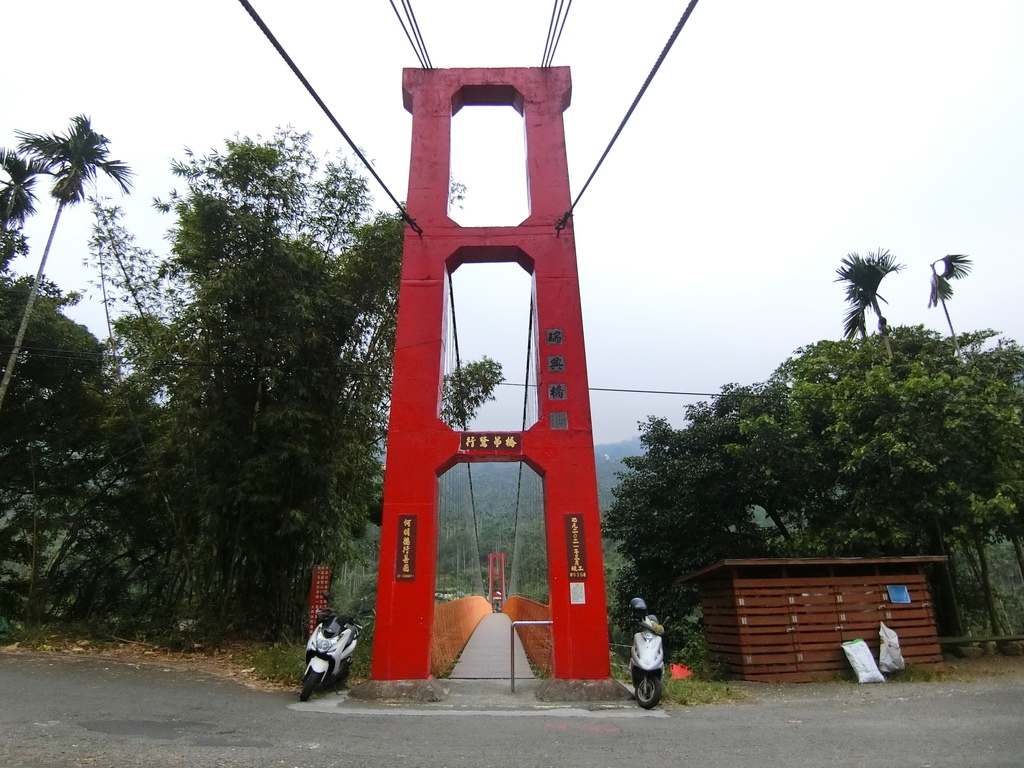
(74, 160)
(914, 455)
(50, 449)
(467, 388)
(954, 267)
(17, 201)
(685, 504)
(862, 277)
(82, 536)
(270, 347)
(844, 452)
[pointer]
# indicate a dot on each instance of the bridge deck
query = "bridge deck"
(486, 655)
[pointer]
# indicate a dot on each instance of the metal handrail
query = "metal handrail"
(512, 646)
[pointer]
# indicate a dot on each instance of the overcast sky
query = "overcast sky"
(777, 138)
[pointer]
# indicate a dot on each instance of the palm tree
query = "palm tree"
(862, 276)
(73, 160)
(954, 267)
(17, 198)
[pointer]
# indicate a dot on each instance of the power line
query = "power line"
(414, 37)
(63, 354)
(790, 395)
(330, 116)
(555, 27)
(626, 391)
(657, 65)
(78, 356)
(105, 354)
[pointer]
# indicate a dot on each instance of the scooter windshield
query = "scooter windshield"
(332, 628)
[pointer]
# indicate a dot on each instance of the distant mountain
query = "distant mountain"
(609, 458)
(495, 485)
(497, 507)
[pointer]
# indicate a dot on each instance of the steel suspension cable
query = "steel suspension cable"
(554, 36)
(464, 425)
(455, 327)
(472, 509)
(330, 116)
(416, 29)
(526, 400)
(443, 514)
(414, 37)
(657, 65)
(477, 561)
(525, 403)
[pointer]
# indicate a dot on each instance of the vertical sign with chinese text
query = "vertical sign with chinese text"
(405, 564)
(320, 583)
(577, 549)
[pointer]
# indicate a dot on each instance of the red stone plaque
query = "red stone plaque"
(405, 566)
(321, 583)
(488, 442)
(577, 550)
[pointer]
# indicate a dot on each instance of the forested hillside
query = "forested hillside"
(494, 485)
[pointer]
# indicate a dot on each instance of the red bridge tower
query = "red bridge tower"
(559, 447)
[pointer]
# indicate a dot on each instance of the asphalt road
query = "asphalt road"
(73, 711)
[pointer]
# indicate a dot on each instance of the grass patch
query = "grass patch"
(697, 689)
(35, 639)
(916, 673)
(694, 691)
(66, 637)
(285, 662)
(278, 662)
(362, 657)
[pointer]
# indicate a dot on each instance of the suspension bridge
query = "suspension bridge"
(433, 618)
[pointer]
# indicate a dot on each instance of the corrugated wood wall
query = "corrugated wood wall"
(791, 629)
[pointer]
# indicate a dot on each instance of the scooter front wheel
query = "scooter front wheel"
(648, 691)
(309, 683)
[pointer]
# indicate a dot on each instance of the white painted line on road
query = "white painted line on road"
(343, 707)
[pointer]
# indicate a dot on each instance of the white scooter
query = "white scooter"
(329, 652)
(647, 657)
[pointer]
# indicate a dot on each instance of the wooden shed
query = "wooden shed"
(784, 620)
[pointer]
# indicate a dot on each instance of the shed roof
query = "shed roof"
(722, 565)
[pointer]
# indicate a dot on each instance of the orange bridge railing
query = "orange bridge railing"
(536, 639)
(454, 622)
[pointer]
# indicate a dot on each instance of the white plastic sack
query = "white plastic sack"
(862, 661)
(890, 657)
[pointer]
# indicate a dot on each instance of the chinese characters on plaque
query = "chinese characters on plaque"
(506, 442)
(556, 364)
(405, 566)
(321, 583)
(577, 550)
